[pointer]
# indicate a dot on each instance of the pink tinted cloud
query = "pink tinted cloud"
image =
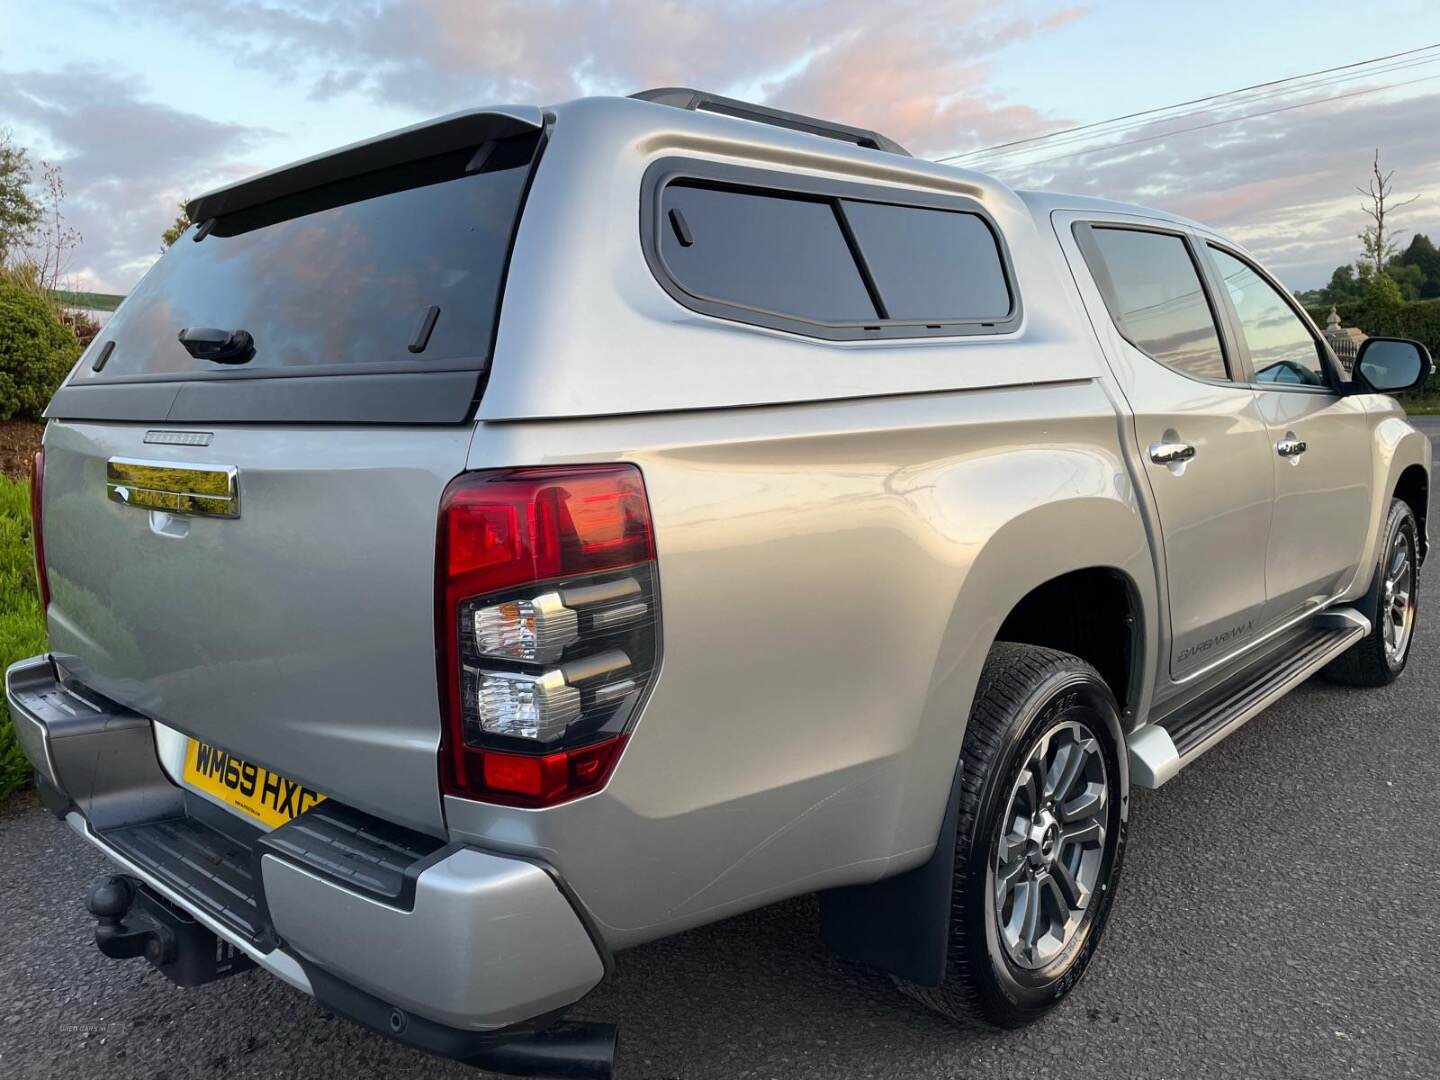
(916, 69)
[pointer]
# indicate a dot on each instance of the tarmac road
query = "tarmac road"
(1279, 917)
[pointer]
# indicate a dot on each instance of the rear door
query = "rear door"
(1203, 442)
(243, 548)
(1320, 443)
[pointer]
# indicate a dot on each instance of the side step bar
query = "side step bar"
(1161, 749)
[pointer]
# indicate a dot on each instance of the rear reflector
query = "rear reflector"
(547, 624)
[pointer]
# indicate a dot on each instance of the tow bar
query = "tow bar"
(133, 921)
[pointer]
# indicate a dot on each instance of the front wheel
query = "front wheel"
(1039, 840)
(1378, 658)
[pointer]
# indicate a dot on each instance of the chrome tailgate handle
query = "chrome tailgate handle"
(174, 487)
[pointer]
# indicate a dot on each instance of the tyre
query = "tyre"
(1378, 658)
(1039, 840)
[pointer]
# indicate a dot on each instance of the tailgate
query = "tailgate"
(299, 634)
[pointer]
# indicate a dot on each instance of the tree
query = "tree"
(1383, 295)
(1423, 255)
(58, 239)
(19, 213)
(1408, 277)
(1343, 287)
(1375, 240)
(176, 230)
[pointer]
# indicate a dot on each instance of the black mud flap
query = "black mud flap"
(900, 925)
(134, 921)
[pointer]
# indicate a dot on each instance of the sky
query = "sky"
(144, 103)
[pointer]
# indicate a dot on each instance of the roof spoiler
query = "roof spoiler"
(684, 98)
(454, 132)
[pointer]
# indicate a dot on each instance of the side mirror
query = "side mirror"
(1391, 365)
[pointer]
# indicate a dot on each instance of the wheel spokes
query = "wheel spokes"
(1030, 921)
(1400, 565)
(1086, 804)
(1075, 894)
(1048, 854)
(1092, 832)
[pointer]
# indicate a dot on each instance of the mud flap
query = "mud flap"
(900, 925)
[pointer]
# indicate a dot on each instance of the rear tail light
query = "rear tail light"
(37, 501)
(548, 627)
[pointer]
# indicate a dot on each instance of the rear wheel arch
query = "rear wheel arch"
(1095, 613)
(1413, 488)
(900, 925)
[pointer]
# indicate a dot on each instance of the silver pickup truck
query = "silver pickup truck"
(529, 534)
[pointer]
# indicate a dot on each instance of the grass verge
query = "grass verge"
(92, 300)
(1421, 405)
(22, 626)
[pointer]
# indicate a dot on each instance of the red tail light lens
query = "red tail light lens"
(37, 502)
(547, 623)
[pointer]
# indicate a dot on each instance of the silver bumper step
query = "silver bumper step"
(1161, 749)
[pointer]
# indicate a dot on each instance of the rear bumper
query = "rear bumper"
(466, 942)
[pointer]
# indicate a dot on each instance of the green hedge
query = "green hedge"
(1418, 319)
(22, 627)
(36, 350)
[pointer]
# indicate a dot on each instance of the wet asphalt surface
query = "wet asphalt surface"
(1279, 916)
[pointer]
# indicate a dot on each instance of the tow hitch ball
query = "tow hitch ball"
(109, 900)
(133, 921)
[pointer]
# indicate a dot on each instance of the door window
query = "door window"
(1282, 349)
(1153, 290)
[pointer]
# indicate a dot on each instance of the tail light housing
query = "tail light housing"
(547, 619)
(37, 501)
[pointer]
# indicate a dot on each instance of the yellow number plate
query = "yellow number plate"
(266, 796)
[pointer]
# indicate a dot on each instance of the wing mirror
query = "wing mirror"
(1386, 365)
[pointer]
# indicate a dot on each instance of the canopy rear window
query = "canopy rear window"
(392, 272)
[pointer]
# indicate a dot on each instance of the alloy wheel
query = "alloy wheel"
(1051, 846)
(1397, 609)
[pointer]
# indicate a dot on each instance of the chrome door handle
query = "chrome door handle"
(1171, 453)
(1289, 448)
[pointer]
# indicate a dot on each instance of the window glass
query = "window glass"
(1157, 301)
(932, 265)
(1282, 349)
(774, 252)
(338, 275)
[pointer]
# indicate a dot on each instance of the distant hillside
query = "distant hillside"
(96, 301)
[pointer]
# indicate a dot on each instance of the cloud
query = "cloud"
(127, 161)
(1282, 184)
(921, 71)
(914, 69)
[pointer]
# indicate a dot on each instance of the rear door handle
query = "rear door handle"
(1290, 447)
(1171, 453)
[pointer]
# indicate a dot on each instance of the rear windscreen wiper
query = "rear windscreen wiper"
(220, 346)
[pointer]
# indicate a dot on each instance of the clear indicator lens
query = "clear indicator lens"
(526, 706)
(530, 630)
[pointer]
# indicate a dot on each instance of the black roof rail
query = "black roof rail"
(684, 98)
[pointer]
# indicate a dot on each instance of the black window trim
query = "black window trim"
(1328, 362)
(728, 176)
(1237, 374)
